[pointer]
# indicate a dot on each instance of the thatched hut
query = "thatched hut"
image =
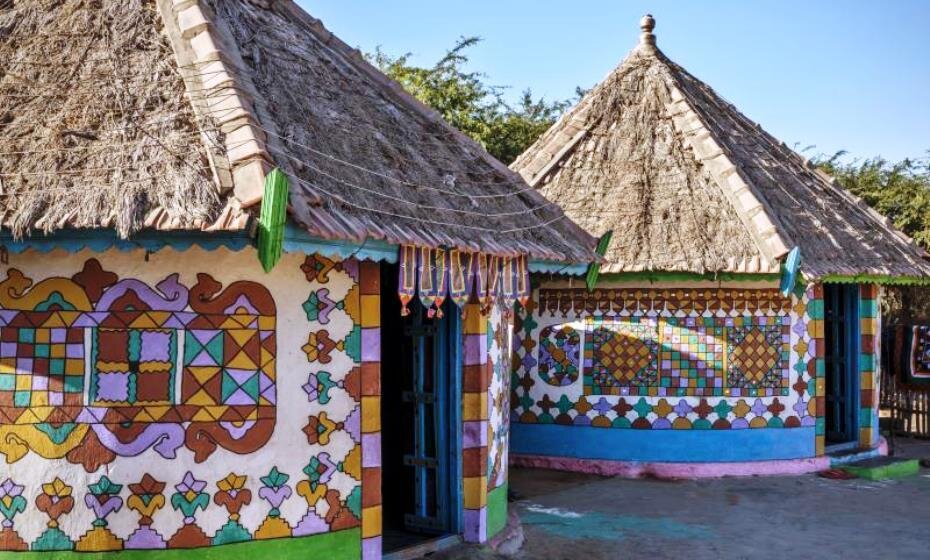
(210, 210)
(734, 319)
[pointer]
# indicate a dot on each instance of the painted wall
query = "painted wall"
(694, 372)
(486, 373)
(500, 349)
(186, 399)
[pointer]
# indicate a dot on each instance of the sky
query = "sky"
(837, 75)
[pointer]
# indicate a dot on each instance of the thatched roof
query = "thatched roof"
(167, 113)
(688, 183)
(95, 127)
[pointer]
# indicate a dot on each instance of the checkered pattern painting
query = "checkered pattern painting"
(757, 356)
(133, 366)
(41, 367)
(692, 356)
(121, 355)
(621, 355)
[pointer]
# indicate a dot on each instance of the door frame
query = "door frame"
(447, 417)
(850, 332)
(454, 482)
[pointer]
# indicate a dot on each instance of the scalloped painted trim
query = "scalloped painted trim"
(100, 241)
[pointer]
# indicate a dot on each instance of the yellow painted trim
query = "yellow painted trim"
(371, 415)
(371, 311)
(371, 521)
(474, 407)
(476, 492)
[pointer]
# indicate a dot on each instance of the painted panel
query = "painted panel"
(488, 342)
(869, 363)
(500, 341)
(666, 359)
(185, 400)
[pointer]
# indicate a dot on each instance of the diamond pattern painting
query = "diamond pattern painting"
(757, 356)
(621, 355)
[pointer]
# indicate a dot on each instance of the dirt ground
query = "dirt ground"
(570, 516)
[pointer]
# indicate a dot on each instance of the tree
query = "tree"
(468, 103)
(900, 191)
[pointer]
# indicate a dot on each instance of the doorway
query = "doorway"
(841, 359)
(421, 421)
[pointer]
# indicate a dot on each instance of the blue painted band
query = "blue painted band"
(297, 240)
(678, 446)
(554, 267)
(100, 240)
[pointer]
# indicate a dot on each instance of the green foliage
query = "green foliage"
(471, 105)
(898, 190)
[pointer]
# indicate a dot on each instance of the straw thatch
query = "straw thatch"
(688, 183)
(371, 161)
(95, 130)
(266, 85)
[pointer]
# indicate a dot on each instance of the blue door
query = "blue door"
(841, 325)
(435, 399)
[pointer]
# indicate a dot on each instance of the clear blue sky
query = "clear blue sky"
(851, 75)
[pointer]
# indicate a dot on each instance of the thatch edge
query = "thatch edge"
(202, 45)
(428, 113)
(750, 207)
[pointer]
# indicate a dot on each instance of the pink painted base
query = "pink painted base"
(635, 469)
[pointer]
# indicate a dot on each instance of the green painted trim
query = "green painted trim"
(884, 471)
(497, 510)
(594, 270)
(337, 545)
(875, 279)
(663, 276)
(273, 219)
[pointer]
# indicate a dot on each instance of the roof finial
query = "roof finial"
(647, 24)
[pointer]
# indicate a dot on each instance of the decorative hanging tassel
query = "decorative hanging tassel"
(426, 281)
(524, 291)
(493, 285)
(441, 259)
(404, 310)
(407, 277)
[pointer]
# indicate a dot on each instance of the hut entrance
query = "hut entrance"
(841, 326)
(421, 421)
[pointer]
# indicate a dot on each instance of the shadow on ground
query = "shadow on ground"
(569, 516)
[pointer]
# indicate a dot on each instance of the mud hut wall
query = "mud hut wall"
(187, 399)
(674, 372)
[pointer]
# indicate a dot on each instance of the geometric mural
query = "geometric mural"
(559, 348)
(691, 358)
(621, 355)
(722, 358)
(140, 383)
(757, 355)
(168, 366)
